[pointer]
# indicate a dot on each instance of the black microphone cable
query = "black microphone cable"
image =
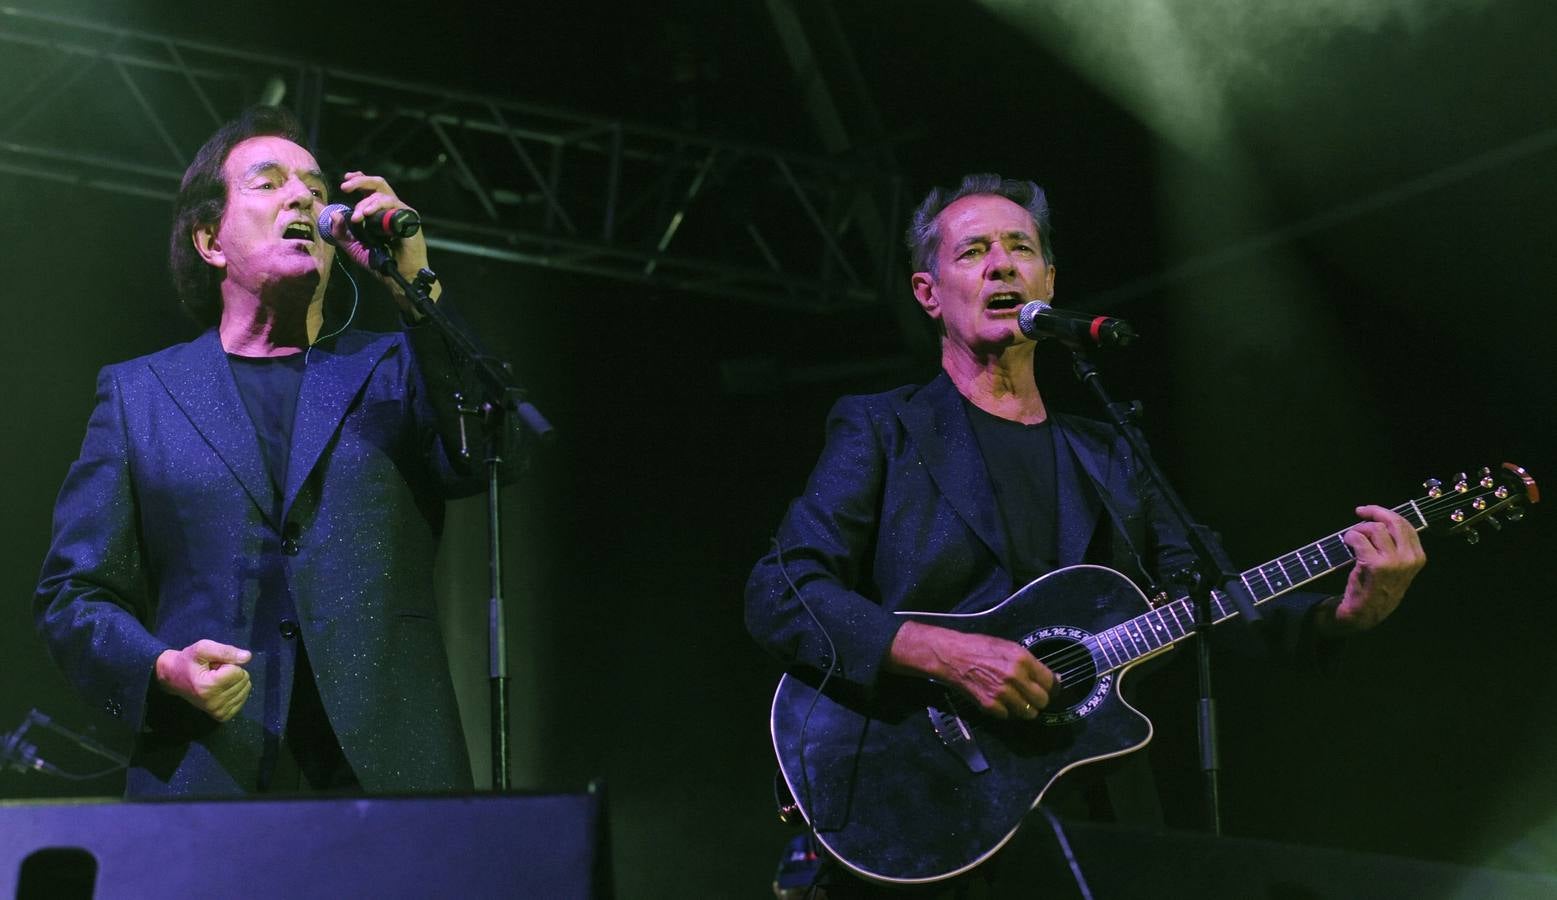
(805, 722)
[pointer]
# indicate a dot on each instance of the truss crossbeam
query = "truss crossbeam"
(123, 110)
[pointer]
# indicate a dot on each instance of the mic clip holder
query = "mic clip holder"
(424, 280)
(503, 395)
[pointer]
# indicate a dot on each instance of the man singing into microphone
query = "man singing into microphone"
(951, 495)
(241, 564)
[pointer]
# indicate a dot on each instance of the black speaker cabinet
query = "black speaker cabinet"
(545, 845)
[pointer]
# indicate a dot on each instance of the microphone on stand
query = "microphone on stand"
(1039, 320)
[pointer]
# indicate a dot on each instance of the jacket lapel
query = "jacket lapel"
(938, 425)
(199, 379)
(331, 381)
(1080, 467)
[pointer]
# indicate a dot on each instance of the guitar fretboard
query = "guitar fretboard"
(1173, 622)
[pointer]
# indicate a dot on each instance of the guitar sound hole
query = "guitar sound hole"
(1071, 661)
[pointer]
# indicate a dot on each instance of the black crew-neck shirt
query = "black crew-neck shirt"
(1020, 461)
(269, 387)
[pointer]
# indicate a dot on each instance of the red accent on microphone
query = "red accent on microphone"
(1097, 329)
(384, 224)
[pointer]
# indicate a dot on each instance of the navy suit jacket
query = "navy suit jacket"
(167, 531)
(899, 514)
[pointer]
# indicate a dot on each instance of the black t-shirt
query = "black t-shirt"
(312, 757)
(1020, 460)
(269, 386)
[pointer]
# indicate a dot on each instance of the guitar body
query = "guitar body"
(893, 801)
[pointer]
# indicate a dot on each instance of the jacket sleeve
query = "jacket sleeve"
(94, 596)
(803, 602)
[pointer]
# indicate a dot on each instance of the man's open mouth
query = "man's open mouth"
(301, 231)
(1003, 301)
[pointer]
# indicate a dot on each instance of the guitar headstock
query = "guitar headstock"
(1467, 502)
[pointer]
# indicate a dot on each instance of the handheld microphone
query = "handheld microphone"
(377, 230)
(1039, 320)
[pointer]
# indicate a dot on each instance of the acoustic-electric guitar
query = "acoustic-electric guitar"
(908, 785)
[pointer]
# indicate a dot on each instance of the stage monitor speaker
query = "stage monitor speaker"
(478, 845)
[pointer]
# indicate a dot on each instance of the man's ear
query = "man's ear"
(1048, 284)
(208, 245)
(923, 285)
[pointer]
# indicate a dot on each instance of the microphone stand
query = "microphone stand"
(1210, 570)
(22, 756)
(501, 404)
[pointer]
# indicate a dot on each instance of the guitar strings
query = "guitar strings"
(1081, 659)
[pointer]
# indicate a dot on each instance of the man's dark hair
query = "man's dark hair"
(924, 234)
(202, 198)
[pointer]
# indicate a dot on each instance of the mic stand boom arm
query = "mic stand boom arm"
(501, 399)
(1211, 570)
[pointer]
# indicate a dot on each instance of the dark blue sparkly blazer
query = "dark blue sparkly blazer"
(166, 532)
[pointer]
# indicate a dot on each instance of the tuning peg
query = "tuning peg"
(1472, 536)
(1434, 488)
(1461, 484)
(1486, 477)
(1493, 521)
(1515, 514)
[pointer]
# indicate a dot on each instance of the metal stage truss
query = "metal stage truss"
(123, 110)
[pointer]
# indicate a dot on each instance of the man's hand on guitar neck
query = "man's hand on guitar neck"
(1389, 554)
(1000, 675)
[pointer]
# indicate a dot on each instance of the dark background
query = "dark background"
(1337, 240)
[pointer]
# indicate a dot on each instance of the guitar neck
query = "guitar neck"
(1170, 623)
(1288, 572)
(1456, 508)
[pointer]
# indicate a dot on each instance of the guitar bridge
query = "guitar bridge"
(956, 737)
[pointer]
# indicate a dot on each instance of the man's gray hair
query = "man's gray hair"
(924, 234)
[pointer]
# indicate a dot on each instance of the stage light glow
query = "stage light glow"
(1179, 65)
